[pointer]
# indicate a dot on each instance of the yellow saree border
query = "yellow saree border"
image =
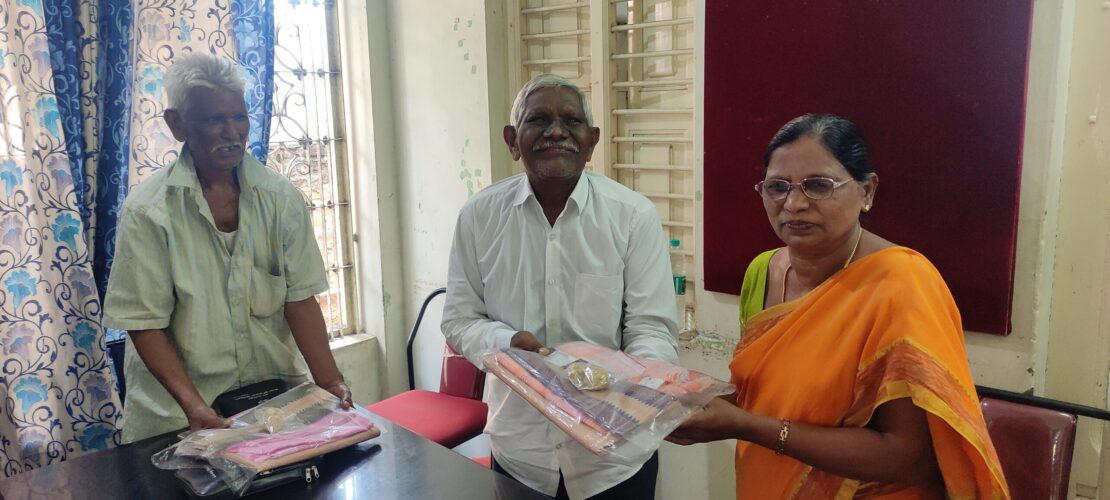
(755, 330)
(925, 398)
(784, 308)
(810, 486)
(866, 364)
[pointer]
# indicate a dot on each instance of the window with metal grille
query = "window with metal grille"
(306, 141)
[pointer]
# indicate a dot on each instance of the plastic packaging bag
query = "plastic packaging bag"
(588, 377)
(303, 423)
(640, 403)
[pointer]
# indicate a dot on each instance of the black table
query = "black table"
(398, 464)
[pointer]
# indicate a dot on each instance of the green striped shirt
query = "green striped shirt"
(222, 307)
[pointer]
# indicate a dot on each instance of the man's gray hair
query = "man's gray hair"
(199, 69)
(546, 81)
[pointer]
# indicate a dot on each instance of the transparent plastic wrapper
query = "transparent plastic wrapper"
(611, 402)
(303, 423)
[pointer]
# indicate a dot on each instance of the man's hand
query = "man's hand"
(160, 357)
(306, 321)
(527, 341)
(341, 391)
(204, 417)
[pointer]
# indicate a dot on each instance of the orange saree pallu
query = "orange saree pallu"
(884, 328)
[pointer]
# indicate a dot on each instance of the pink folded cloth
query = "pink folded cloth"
(313, 425)
(336, 425)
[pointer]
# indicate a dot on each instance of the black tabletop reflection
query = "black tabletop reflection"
(398, 464)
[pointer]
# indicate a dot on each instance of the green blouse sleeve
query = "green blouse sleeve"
(754, 289)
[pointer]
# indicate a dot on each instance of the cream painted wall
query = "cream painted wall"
(420, 143)
(1078, 360)
(443, 141)
(367, 93)
(421, 137)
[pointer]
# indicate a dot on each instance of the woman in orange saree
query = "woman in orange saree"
(852, 377)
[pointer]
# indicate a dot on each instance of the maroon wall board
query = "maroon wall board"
(938, 89)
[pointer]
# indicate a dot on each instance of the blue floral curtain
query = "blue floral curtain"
(59, 399)
(109, 83)
(81, 99)
(253, 27)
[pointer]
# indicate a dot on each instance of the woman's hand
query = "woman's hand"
(719, 420)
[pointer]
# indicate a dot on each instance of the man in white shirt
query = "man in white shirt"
(556, 255)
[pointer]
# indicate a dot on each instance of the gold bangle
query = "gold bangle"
(784, 434)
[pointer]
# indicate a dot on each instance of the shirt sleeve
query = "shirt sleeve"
(650, 326)
(305, 275)
(466, 324)
(140, 290)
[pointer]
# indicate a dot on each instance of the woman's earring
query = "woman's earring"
(867, 207)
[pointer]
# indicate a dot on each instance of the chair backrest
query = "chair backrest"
(458, 376)
(1034, 446)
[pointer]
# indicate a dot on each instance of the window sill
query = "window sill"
(350, 340)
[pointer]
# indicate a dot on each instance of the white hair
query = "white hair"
(546, 81)
(198, 69)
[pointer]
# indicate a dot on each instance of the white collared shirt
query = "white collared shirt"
(511, 270)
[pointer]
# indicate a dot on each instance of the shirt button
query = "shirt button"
(552, 236)
(550, 282)
(559, 446)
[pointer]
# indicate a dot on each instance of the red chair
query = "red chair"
(1035, 438)
(449, 417)
(1034, 447)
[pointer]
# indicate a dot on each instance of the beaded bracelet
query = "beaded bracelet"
(784, 434)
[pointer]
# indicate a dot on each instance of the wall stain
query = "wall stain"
(461, 43)
(471, 176)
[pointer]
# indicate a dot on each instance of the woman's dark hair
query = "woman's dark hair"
(840, 136)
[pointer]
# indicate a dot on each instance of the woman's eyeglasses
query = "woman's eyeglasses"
(815, 188)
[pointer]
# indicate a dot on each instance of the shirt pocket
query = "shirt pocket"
(267, 294)
(598, 303)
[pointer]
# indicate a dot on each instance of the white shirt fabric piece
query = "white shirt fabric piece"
(229, 239)
(511, 270)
